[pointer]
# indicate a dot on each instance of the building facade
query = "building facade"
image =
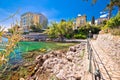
(27, 19)
(101, 20)
(81, 21)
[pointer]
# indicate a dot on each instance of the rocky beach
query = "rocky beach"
(59, 65)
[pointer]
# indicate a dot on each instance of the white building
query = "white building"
(29, 18)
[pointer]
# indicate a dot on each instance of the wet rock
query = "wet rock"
(38, 57)
(15, 67)
(27, 64)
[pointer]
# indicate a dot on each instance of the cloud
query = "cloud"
(102, 12)
(104, 15)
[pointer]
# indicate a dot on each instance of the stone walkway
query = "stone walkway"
(108, 64)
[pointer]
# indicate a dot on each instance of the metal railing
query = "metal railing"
(93, 62)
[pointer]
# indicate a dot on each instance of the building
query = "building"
(29, 18)
(101, 20)
(81, 21)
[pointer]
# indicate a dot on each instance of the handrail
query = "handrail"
(91, 56)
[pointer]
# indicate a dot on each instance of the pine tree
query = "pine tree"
(93, 20)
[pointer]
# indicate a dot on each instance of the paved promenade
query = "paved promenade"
(109, 69)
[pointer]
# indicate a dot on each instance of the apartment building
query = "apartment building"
(29, 18)
(100, 20)
(81, 20)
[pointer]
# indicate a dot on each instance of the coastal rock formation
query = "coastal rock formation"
(64, 65)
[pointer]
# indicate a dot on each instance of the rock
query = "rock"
(61, 75)
(72, 49)
(27, 64)
(110, 44)
(46, 56)
(15, 67)
(38, 57)
(22, 79)
(63, 64)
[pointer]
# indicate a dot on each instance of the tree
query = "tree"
(93, 20)
(14, 28)
(36, 28)
(116, 3)
(51, 31)
(11, 44)
(109, 7)
(69, 29)
(60, 30)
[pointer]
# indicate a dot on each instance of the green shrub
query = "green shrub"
(83, 31)
(80, 36)
(113, 22)
(113, 25)
(68, 36)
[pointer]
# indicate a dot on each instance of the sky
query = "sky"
(54, 10)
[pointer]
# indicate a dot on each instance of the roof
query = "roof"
(32, 13)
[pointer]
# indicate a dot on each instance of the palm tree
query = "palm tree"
(111, 5)
(110, 8)
(116, 3)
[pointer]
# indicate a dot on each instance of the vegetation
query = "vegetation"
(111, 5)
(83, 31)
(36, 28)
(65, 30)
(12, 41)
(60, 30)
(113, 25)
(11, 30)
(93, 20)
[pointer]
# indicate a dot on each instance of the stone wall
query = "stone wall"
(111, 45)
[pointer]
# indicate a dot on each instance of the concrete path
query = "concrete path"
(109, 69)
(75, 40)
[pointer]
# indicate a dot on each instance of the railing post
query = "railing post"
(88, 47)
(90, 59)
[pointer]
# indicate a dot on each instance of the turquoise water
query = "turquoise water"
(24, 47)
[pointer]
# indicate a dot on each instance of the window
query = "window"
(81, 21)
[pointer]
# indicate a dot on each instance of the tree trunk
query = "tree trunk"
(119, 9)
(61, 38)
(109, 15)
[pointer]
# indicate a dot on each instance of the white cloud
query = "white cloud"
(102, 12)
(79, 14)
(104, 15)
